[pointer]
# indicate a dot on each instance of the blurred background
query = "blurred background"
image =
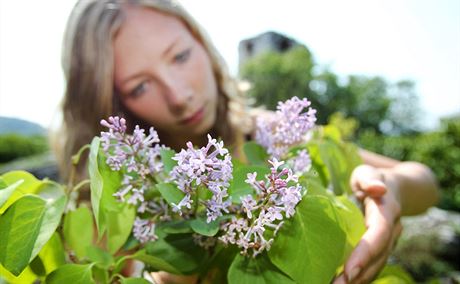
(386, 73)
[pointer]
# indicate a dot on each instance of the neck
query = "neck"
(179, 142)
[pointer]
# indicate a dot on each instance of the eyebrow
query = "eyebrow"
(167, 50)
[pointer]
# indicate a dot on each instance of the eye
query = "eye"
(139, 90)
(183, 56)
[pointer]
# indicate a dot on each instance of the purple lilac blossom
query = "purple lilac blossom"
(301, 163)
(264, 213)
(210, 166)
(144, 230)
(133, 153)
(287, 127)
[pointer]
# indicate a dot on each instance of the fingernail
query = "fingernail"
(353, 273)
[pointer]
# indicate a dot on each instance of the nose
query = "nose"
(177, 94)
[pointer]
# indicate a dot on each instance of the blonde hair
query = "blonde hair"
(88, 67)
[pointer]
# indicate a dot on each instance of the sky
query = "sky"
(417, 40)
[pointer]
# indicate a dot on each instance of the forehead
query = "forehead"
(145, 34)
(141, 23)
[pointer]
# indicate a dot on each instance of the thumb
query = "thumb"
(368, 181)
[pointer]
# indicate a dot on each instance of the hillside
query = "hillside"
(20, 126)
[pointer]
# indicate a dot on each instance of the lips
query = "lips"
(194, 118)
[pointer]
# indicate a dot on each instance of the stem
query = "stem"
(76, 157)
(75, 161)
(80, 185)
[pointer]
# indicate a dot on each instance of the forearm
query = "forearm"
(414, 186)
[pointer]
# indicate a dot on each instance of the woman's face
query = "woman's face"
(163, 74)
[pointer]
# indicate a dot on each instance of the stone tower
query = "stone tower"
(268, 41)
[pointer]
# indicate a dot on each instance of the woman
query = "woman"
(150, 62)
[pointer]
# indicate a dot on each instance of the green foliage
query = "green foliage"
(276, 77)
(440, 150)
(256, 271)
(238, 187)
(309, 248)
(13, 146)
(28, 224)
(78, 230)
(298, 250)
(180, 252)
(114, 217)
(375, 103)
(393, 274)
(72, 273)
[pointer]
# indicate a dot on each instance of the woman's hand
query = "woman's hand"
(382, 212)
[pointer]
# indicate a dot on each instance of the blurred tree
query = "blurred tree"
(440, 150)
(376, 104)
(277, 76)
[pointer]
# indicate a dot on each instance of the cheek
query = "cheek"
(203, 75)
(149, 111)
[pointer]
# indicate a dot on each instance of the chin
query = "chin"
(205, 127)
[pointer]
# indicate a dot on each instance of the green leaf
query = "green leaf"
(72, 273)
(255, 153)
(52, 215)
(312, 182)
(318, 165)
(26, 226)
(26, 276)
(393, 274)
(200, 226)
(104, 183)
(134, 281)
(309, 247)
(238, 187)
(175, 227)
(79, 230)
(351, 221)
(20, 228)
(37, 266)
(97, 185)
(99, 256)
(6, 191)
(259, 270)
(52, 254)
(170, 192)
(155, 262)
(166, 159)
(332, 132)
(29, 185)
(119, 226)
(100, 275)
(337, 165)
(179, 251)
(50, 257)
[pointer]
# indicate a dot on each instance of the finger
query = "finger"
(372, 244)
(340, 279)
(369, 180)
(371, 272)
(373, 269)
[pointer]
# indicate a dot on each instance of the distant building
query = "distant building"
(268, 41)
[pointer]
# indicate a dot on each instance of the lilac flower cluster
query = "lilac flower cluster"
(144, 230)
(300, 163)
(140, 161)
(264, 213)
(132, 153)
(211, 167)
(287, 127)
